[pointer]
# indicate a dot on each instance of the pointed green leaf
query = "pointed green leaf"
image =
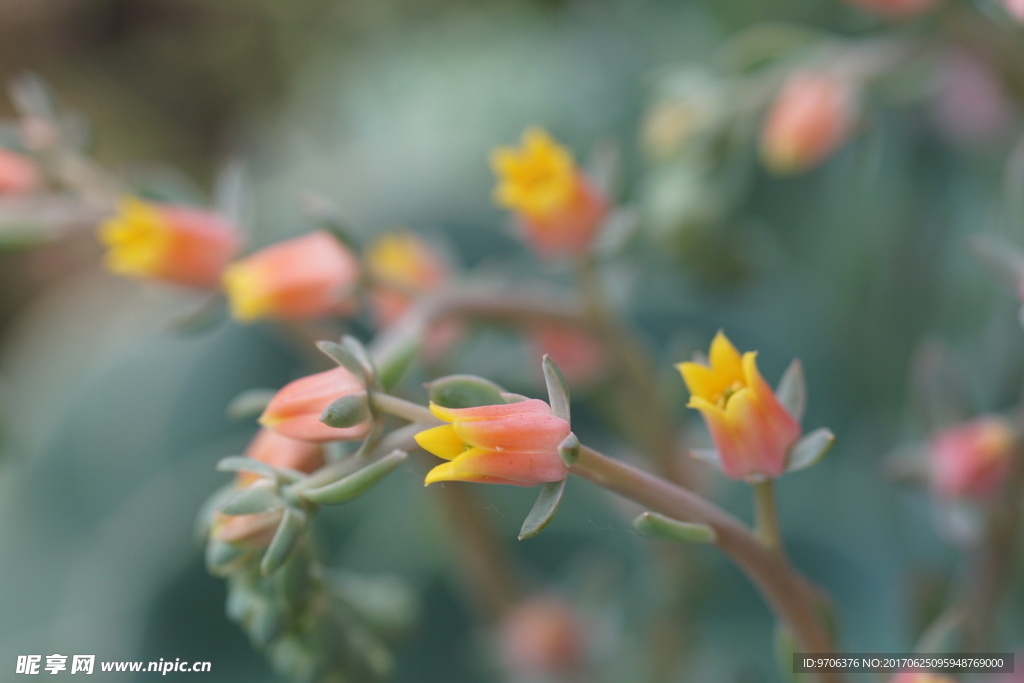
(220, 555)
(357, 483)
(464, 391)
(287, 535)
(359, 352)
(258, 497)
(250, 403)
(653, 525)
(240, 463)
(792, 390)
(810, 449)
(543, 510)
(569, 450)
(342, 356)
(347, 411)
(558, 388)
(510, 397)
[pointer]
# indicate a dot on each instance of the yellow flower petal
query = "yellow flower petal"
(725, 359)
(702, 381)
(441, 441)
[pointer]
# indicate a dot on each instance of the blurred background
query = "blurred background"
(111, 421)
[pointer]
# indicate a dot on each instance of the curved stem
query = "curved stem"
(767, 515)
(789, 594)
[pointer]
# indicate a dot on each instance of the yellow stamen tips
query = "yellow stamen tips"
(136, 238)
(246, 294)
(535, 179)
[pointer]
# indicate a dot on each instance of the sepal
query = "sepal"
(254, 499)
(558, 388)
(792, 390)
(355, 484)
(543, 510)
(653, 525)
(347, 411)
(464, 391)
(810, 449)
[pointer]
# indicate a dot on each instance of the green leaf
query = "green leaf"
(357, 483)
(792, 390)
(261, 496)
(347, 411)
(392, 367)
(287, 535)
(543, 510)
(464, 391)
(362, 356)
(569, 450)
(342, 356)
(240, 463)
(810, 449)
(220, 555)
(653, 525)
(250, 403)
(558, 388)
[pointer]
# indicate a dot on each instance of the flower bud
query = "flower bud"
(281, 451)
(176, 244)
(557, 207)
(18, 174)
(752, 430)
(972, 459)
(251, 531)
(542, 636)
(514, 443)
(296, 409)
(578, 353)
(810, 118)
(401, 266)
(305, 277)
(895, 9)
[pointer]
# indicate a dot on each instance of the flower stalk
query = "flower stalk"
(788, 593)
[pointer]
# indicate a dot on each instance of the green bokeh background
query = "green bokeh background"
(112, 424)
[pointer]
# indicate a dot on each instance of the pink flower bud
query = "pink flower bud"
(306, 277)
(253, 531)
(296, 409)
(751, 429)
(18, 174)
(402, 267)
(972, 459)
(281, 451)
(558, 208)
(579, 355)
(895, 9)
(514, 443)
(542, 636)
(810, 118)
(176, 244)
